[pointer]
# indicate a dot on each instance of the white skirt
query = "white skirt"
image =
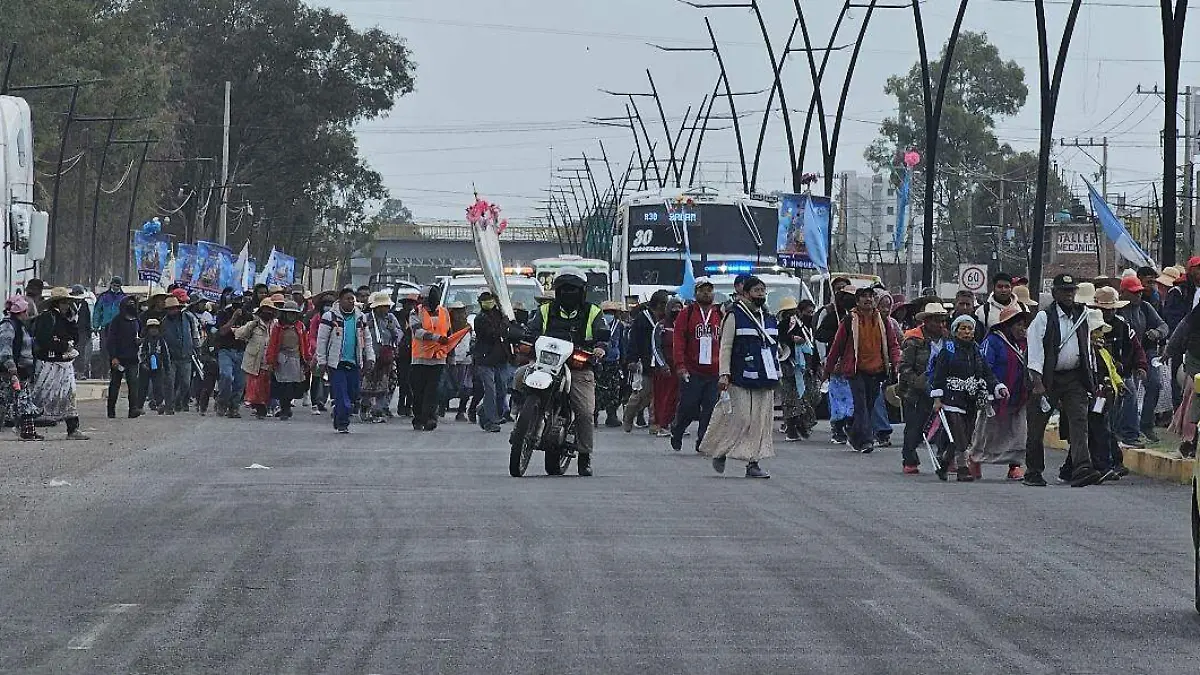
(53, 390)
(741, 428)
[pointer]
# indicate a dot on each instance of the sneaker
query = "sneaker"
(136, 413)
(639, 424)
(343, 430)
(753, 470)
(1015, 473)
(1033, 479)
(943, 472)
(315, 410)
(1131, 444)
(911, 470)
(976, 469)
(1121, 471)
(1110, 475)
(676, 444)
(473, 416)
(584, 465)
(719, 464)
(838, 439)
(867, 449)
(494, 429)
(965, 475)
(78, 435)
(234, 414)
(883, 442)
(1149, 435)
(1085, 476)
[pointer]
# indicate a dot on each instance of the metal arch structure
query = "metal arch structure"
(933, 120)
(1050, 86)
(1172, 32)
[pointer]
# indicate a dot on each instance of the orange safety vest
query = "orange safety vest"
(430, 349)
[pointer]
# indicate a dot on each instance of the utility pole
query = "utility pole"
(1103, 164)
(1168, 223)
(1189, 133)
(223, 212)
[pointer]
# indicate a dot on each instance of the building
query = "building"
(865, 230)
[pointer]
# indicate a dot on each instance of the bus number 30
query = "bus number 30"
(643, 237)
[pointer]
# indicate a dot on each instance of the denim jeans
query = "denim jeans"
(1127, 414)
(883, 423)
(865, 388)
(492, 381)
(1150, 400)
(344, 383)
(232, 383)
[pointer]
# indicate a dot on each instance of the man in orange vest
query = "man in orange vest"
(430, 326)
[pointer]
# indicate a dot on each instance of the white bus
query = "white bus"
(597, 271)
(726, 232)
(24, 227)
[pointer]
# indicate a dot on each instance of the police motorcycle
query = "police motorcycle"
(546, 422)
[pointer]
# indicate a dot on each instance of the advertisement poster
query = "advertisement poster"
(150, 255)
(186, 265)
(215, 269)
(803, 233)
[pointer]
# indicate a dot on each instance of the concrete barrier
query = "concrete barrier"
(1156, 463)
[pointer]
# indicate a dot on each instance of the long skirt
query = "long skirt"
(258, 388)
(1001, 439)
(789, 392)
(608, 385)
(741, 427)
(378, 381)
(53, 390)
(666, 398)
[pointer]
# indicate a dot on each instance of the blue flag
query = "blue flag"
(816, 230)
(1115, 230)
(902, 210)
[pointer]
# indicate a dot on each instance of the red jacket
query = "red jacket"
(843, 353)
(306, 352)
(685, 347)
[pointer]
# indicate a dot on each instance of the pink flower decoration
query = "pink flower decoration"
(912, 158)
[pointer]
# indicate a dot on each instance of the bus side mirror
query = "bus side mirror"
(39, 232)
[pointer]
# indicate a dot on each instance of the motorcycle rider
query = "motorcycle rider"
(571, 317)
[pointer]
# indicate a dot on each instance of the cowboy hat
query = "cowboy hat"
(788, 303)
(1011, 312)
(274, 288)
(268, 303)
(457, 304)
(1021, 293)
(290, 306)
(931, 309)
(171, 301)
(610, 306)
(1107, 298)
(58, 294)
(1085, 291)
(380, 299)
(1095, 321)
(1169, 277)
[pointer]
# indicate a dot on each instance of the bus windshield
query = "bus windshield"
(716, 233)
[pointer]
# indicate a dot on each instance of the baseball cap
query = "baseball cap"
(1067, 281)
(702, 281)
(1132, 284)
(1193, 261)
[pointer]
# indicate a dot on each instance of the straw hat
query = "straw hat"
(1095, 321)
(457, 304)
(1169, 277)
(270, 303)
(610, 306)
(59, 294)
(171, 301)
(788, 303)
(892, 395)
(380, 299)
(931, 309)
(1086, 293)
(1107, 298)
(274, 288)
(1011, 312)
(1021, 293)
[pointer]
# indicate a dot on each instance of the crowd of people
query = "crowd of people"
(976, 384)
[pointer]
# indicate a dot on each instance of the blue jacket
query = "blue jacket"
(108, 307)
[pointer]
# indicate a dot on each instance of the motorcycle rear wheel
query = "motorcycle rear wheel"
(521, 446)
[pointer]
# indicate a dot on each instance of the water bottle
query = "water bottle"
(1045, 405)
(635, 377)
(727, 402)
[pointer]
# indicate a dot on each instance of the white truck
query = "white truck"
(25, 228)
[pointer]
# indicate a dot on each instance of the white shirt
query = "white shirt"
(1068, 354)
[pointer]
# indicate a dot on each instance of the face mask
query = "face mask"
(758, 302)
(488, 305)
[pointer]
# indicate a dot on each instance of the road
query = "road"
(392, 552)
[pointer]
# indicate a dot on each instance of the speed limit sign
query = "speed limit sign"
(972, 277)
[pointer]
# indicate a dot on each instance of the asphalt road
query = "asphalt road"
(393, 552)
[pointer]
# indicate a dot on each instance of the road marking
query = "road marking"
(89, 638)
(898, 621)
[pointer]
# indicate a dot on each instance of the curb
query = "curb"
(1157, 464)
(91, 390)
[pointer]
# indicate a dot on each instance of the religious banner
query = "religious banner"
(801, 240)
(216, 270)
(187, 266)
(150, 254)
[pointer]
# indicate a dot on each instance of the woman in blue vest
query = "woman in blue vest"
(750, 372)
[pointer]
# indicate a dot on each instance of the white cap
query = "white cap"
(701, 281)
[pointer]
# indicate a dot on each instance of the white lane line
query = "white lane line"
(89, 638)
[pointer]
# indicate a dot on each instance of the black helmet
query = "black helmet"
(570, 276)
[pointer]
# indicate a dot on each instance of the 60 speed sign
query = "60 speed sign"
(972, 277)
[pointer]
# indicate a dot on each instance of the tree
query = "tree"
(981, 89)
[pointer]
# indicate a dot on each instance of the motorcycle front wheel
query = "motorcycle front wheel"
(557, 461)
(522, 442)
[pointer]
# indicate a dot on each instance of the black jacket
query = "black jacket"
(491, 345)
(124, 338)
(54, 336)
(641, 333)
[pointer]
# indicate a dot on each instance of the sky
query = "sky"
(503, 89)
